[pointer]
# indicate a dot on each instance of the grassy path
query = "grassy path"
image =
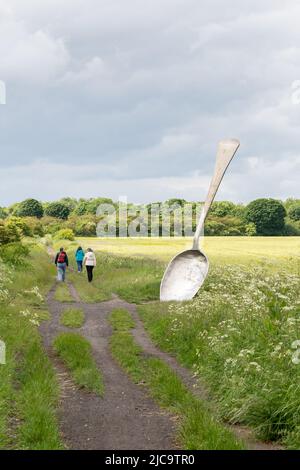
(125, 417)
(187, 378)
(130, 414)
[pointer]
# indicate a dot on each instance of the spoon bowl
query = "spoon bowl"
(184, 275)
(187, 271)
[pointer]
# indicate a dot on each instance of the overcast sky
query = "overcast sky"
(130, 97)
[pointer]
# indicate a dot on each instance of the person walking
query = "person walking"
(61, 262)
(79, 258)
(89, 262)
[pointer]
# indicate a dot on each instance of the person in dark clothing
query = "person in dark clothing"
(61, 262)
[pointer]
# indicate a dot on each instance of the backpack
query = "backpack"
(61, 257)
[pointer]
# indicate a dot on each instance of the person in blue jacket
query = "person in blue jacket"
(79, 258)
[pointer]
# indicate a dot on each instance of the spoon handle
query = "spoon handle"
(225, 153)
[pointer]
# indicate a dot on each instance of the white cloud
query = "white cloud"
(86, 181)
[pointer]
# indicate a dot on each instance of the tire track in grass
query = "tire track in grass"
(126, 417)
(198, 429)
(198, 389)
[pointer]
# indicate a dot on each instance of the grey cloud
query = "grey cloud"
(144, 92)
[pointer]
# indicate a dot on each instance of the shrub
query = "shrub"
(8, 234)
(52, 225)
(19, 224)
(14, 254)
(86, 229)
(84, 226)
(35, 225)
(65, 234)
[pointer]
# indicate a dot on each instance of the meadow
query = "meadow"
(240, 335)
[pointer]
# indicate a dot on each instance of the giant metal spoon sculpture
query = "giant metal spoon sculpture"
(186, 272)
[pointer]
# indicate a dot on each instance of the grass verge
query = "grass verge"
(76, 353)
(198, 428)
(29, 392)
(89, 292)
(37, 401)
(72, 318)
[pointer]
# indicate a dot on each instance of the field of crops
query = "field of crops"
(281, 252)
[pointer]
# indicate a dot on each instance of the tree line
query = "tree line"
(69, 217)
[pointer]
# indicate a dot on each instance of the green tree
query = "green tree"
(82, 207)
(93, 204)
(175, 201)
(292, 229)
(267, 215)
(223, 208)
(294, 212)
(58, 210)
(213, 228)
(70, 202)
(250, 229)
(3, 213)
(90, 206)
(291, 202)
(30, 208)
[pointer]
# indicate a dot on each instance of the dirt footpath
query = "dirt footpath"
(125, 418)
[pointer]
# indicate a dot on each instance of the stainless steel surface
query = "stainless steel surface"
(187, 271)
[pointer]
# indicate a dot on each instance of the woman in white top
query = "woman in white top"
(89, 261)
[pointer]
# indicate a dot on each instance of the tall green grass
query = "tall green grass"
(76, 352)
(29, 391)
(62, 293)
(133, 279)
(239, 336)
(72, 317)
